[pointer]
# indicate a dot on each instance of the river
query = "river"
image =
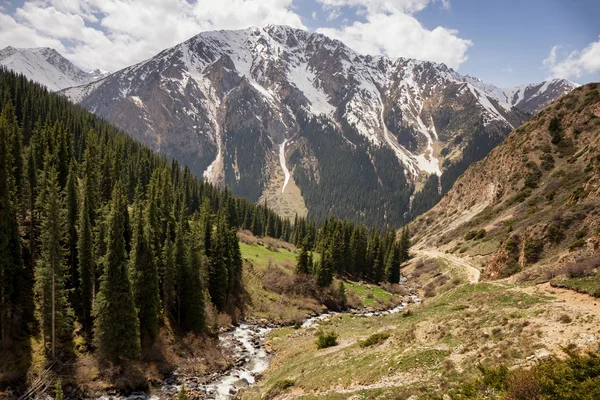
(251, 358)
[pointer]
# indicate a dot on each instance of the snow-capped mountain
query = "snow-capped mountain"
(47, 66)
(244, 107)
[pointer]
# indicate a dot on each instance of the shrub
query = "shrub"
(577, 244)
(582, 268)
(582, 233)
(470, 235)
(326, 339)
(521, 196)
(547, 161)
(375, 339)
(533, 176)
(512, 244)
(523, 385)
(565, 319)
(278, 388)
(550, 194)
(555, 234)
(533, 249)
(554, 129)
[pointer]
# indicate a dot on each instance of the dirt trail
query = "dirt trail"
(570, 298)
(472, 273)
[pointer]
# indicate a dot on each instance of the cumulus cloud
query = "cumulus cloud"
(112, 34)
(575, 64)
(390, 28)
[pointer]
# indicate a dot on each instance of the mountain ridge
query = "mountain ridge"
(225, 101)
(47, 66)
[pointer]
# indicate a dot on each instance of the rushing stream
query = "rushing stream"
(251, 358)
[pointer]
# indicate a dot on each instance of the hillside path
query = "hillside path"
(473, 274)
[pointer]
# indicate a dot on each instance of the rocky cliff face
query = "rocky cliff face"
(534, 198)
(358, 133)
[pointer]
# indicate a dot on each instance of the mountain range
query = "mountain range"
(308, 125)
(48, 67)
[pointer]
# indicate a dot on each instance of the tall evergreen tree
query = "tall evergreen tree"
(117, 329)
(219, 272)
(11, 264)
(405, 245)
(72, 217)
(392, 268)
(51, 271)
(302, 266)
(144, 278)
(85, 260)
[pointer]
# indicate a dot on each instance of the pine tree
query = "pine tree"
(11, 264)
(194, 291)
(85, 260)
(144, 278)
(182, 394)
(219, 274)
(392, 268)
(51, 270)
(302, 266)
(324, 270)
(405, 245)
(72, 217)
(170, 274)
(117, 330)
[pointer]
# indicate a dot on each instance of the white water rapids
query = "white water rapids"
(246, 341)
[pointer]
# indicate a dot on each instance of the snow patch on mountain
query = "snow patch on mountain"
(46, 66)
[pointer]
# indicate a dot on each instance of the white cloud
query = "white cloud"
(576, 64)
(380, 6)
(399, 34)
(112, 34)
(508, 69)
(314, 15)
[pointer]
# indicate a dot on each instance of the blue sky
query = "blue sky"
(507, 43)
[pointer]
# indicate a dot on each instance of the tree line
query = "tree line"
(99, 232)
(353, 251)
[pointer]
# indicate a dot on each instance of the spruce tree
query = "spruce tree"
(144, 278)
(11, 264)
(193, 289)
(54, 310)
(72, 217)
(392, 268)
(302, 266)
(405, 245)
(117, 330)
(219, 273)
(85, 260)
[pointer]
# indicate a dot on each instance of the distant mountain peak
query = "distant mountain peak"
(46, 66)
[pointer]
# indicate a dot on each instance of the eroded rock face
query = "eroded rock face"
(223, 101)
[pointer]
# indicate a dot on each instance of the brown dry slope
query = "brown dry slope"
(531, 206)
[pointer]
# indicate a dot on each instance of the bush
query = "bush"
(533, 249)
(326, 339)
(554, 129)
(555, 234)
(582, 268)
(278, 388)
(577, 244)
(565, 319)
(376, 338)
(523, 385)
